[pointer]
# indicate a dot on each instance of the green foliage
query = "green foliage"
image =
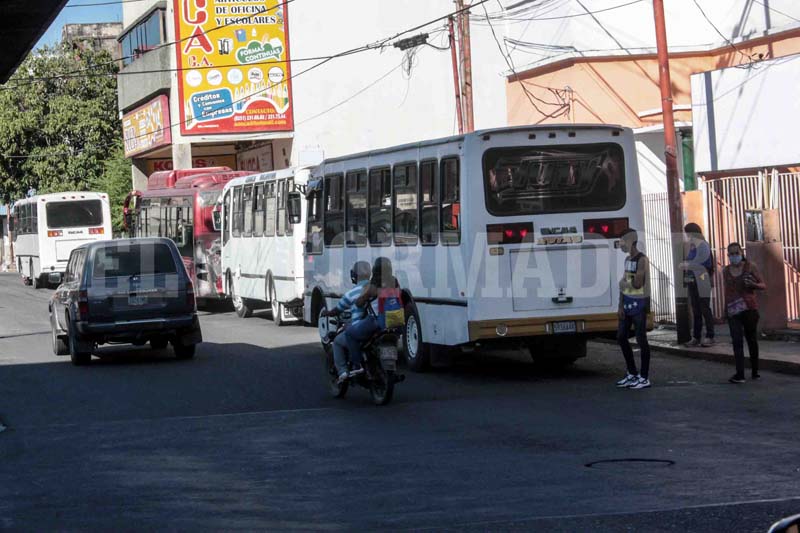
(58, 134)
(116, 181)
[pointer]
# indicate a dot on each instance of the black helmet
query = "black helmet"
(360, 270)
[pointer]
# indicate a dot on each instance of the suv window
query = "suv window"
(125, 260)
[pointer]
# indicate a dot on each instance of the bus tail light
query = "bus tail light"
(55, 233)
(218, 284)
(607, 228)
(96, 231)
(509, 233)
(83, 305)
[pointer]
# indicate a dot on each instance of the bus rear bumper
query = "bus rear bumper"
(584, 325)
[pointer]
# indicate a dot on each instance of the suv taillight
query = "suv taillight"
(190, 294)
(83, 305)
(509, 233)
(607, 228)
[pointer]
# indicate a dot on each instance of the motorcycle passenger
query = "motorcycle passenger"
(359, 274)
(361, 330)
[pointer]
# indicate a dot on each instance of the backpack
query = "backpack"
(390, 309)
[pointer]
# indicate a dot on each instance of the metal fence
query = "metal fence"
(658, 247)
(726, 202)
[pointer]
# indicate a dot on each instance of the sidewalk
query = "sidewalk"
(779, 351)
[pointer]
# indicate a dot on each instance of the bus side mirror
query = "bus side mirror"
(294, 202)
(216, 217)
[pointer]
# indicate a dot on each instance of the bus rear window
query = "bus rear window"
(133, 260)
(80, 213)
(554, 179)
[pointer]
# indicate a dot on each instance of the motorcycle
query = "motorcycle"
(380, 360)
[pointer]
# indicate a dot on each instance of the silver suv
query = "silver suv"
(124, 291)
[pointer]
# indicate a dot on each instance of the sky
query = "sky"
(72, 15)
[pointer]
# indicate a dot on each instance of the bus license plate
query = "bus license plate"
(565, 327)
(137, 300)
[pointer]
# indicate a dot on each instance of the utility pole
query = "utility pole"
(454, 58)
(673, 187)
(466, 66)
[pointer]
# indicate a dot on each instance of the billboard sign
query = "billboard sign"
(233, 59)
(147, 127)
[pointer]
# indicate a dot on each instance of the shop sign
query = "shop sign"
(234, 74)
(154, 165)
(147, 127)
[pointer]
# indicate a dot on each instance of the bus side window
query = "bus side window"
(237, 212)
(269, 229)
(289, 229)
(281, 216)
(380, 206)
(404, 204)
(35, 218)
(226, 217)
(314, 223)
(451, 206)
(356, 208)
(334, 212)
(247, 210)
(429, 202)
(258, 210)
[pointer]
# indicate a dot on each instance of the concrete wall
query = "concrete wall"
(135, 89)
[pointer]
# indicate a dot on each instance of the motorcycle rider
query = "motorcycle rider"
(359, 274)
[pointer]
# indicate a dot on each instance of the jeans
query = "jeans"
(639, 323)
(350, 342)
(701, 312)
(745, 326)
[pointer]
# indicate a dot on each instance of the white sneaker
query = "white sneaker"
(693, 343)
(627, 381)
(707, 342)
(641, 383)
(342, 377)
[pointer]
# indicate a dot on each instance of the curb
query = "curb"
(774, 365)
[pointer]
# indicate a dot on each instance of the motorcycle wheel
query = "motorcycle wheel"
(381, 386)
(337, 390)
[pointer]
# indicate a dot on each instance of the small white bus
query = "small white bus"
(505, 236)
(48, 227)
(262, 255)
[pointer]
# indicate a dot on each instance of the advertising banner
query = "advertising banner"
(233, 61)
(256, 159)
(147, 127)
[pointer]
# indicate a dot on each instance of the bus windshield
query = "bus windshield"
(74, 214)
(554, 179)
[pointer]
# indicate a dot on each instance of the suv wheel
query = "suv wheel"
(76, 354)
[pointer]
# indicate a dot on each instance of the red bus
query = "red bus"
(179, 205)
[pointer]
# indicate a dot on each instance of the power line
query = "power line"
(776, 10)
(525, 90)
(730, 43)
(379, 44)
(515, 19)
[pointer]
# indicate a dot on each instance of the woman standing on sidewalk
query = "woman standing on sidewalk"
(698, 277)
(742, 280)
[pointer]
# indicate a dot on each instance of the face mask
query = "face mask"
(735, 259)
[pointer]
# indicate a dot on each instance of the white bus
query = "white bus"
(505, 236)
(48, 227)
(262, 255)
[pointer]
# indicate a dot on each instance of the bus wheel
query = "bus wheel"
(239, 303)
(417, 352)
(275, 305)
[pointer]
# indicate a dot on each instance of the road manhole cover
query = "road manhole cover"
(632, 463)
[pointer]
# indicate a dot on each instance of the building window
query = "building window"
(380, 206)
(451, 204)
(356, 208)
(144, 36)
(404, 202)
(429, 202)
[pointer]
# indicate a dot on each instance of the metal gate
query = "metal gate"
(658, 248)
(726, 201)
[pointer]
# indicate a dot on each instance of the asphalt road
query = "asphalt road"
(245, 437)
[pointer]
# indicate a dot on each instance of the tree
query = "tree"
(116, 181)
(58, 131)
